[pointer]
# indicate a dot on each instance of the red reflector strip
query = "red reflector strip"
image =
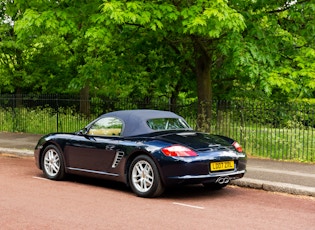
(238, 147)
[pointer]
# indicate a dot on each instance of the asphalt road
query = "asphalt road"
(29, 201)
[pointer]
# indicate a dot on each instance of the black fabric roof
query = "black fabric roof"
(135, 121)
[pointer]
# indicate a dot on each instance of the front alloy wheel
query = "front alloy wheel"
(144, 177)
(52, 163)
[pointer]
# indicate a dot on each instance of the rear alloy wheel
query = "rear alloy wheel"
(144, 177)
(52, 163)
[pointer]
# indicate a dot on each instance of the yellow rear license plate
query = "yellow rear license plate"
(222, 165)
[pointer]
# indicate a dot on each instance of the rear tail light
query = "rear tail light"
(178, 151)
(238, 147)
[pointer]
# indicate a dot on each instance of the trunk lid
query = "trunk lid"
(197, 141)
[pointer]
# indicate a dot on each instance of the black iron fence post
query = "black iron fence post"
(57, 114)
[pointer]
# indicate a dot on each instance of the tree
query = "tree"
(232, 46)
(55, 34)
(277, 52)
(215, 49)
(294, 75)
(193, 27)
(12, 59)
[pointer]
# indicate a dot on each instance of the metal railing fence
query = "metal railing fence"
(283, 131)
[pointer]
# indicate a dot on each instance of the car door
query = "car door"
(95, 150)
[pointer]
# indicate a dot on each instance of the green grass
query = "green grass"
(296, 144)
(287, 144)
(41, 120)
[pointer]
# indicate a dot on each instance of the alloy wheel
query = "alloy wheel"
(142, 176)
(52, 163)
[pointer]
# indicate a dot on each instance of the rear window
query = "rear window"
(167, 124)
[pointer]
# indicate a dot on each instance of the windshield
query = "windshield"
(167, 124)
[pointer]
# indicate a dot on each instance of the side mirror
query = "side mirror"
(82, 132)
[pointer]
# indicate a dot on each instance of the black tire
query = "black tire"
(214, 186)
(144, 178)
(52, 163)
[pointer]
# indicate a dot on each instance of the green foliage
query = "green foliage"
(53, 35)
(152, 49)
(270, 55)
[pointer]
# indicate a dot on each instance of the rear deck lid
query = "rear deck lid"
(198, 141)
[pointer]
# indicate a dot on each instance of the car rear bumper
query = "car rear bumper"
(211, 178)
(194, 171)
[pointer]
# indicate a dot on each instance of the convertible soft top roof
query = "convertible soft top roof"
(135, 121)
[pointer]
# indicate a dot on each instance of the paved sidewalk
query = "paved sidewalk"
(270, 175)
(18, 143)
(279, 176)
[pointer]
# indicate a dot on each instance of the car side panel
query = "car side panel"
(85, 152)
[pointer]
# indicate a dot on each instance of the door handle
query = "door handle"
(110, 147)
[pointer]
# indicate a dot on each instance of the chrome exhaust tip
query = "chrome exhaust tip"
(223, 180)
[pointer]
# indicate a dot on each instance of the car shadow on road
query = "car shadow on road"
(98, 182)
(176, 192)
(195, 191)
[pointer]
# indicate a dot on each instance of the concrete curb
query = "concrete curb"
(19, 152)
(275, 186)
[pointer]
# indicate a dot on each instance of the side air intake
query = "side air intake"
(118, 157)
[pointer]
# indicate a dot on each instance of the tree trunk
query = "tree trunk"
(84, 100)
(204, 86)
(18, 98)
(174, 97)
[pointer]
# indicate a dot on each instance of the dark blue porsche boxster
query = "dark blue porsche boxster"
(146, 149)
